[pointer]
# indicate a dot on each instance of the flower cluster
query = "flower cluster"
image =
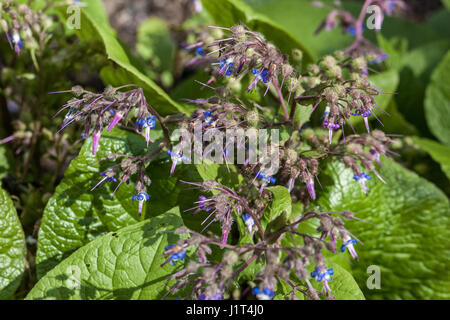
(338, 84)
(23, 26)
(107, 109)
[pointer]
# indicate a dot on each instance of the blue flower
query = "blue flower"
(361, 179)
(17, 42)
(175, 256)
(262, 75)
(208, 118)
(176, 159)
(149, 122)
(365, 115)
(321, 274)
(69, 114)
(324, 275)
(266, 179)
(226, 67)
(141, 196)
(249, 222)
(108, 178)
(348, 244)
(379, 59)
(265, 294)
(359, 112)
(200, 51)
(362, 176)
(352, 31)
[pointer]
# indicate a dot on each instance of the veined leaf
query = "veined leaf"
(410, 240)
(119, 265)
(437, 101)
(95, 26)
(74, 215)
(12, 247)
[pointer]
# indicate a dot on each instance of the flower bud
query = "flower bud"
(314, 69)
(252, 118)
(334, 72)
(297, 55)
(328, 62)
(4, 25)
(359, 64)
(286, 70)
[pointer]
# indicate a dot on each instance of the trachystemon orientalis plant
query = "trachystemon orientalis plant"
(337, 90)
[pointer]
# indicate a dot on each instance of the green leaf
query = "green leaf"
(12, 247)
(95, 25)
(281, 202)
(416, 69)
(446, 3)
(343, 286)
(437, 101)
(410, 240)
(395, 122)
(439, 152)
(300, 18)
(6, 161)
(227, 13)
(123, 265)
(386, 82)
(154, 44)
(74, 215)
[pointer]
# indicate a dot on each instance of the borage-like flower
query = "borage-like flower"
(141, 197)
(265, 181)
(16, 42)
(262, 75)
(147, 123)
(362, 178)
(322, 274)
(108, 176)
(348, 244)
(365, 114)
(249, 222)
(177, 158)
(175, 253)
(265, 294)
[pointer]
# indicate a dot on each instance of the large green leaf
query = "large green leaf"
(301, 19)
(154, 43)
(123, 265)
(95, 26)
(227, 13)
(437, 101)
(439, 152)
(416, 69)
(342, 285)
(12, 247)
(74, 215)
(411, 238)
